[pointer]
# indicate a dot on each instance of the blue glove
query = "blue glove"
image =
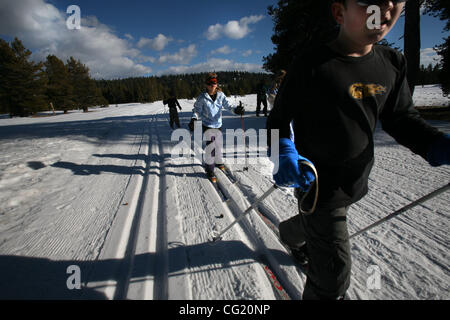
(290, 174)
(439, 152)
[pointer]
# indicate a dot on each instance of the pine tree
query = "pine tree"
(23, 81)
(85, 92)
(59, 88)
(444, 75)
(6, 61)
(441, 9)
(298, 24)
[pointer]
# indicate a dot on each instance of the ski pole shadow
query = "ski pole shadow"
(86, 169)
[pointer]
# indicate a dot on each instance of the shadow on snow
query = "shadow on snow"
(41, 278)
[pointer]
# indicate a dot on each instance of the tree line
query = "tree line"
(429, 75)
(27, 87)
(182, 86)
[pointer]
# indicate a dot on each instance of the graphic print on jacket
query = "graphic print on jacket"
(360, 91)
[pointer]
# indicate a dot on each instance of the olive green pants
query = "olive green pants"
(328, 249)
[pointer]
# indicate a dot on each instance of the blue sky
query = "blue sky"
(139, 38)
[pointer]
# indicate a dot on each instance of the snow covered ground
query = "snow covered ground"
(100, 191)
(430, 95)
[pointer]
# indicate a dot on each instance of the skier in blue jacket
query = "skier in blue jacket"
(208, 108)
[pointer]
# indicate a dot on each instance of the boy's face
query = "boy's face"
(353, 19)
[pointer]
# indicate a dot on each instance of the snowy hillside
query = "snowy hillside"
(100, 191)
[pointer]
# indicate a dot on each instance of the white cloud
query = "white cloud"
(42, 28)
(429, 55)
(143, 58)
(158, 43)
(90, 21)
(247, 53)
(233, 29)
(118, 67)
(183, 56)
(222, 50)
(214, 64)
(214, 32)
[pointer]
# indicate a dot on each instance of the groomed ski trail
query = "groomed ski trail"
(155, 239)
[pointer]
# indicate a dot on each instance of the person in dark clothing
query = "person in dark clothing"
(261, 97)
(173, 103)
(335, 94)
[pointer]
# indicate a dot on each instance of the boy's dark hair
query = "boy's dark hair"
(344, 2)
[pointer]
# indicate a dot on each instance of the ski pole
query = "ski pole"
(218, 236)
(316, 187)
(243, 138)
(405, 208)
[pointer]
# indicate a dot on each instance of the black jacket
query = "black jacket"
(335, 102)
(172, 102)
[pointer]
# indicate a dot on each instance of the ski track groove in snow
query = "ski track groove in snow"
(220, 263)
(161, 255)
(233, 276)
(121, 240)
(83, 214)
(225, 270)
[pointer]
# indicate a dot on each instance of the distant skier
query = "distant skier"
(261, 97)
(172, 103)
(335, 93)
(273, 90)
(208, 108)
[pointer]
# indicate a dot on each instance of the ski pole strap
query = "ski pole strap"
(314, 185)
(405, 208)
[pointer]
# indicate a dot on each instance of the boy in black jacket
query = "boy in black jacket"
(335, 94)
